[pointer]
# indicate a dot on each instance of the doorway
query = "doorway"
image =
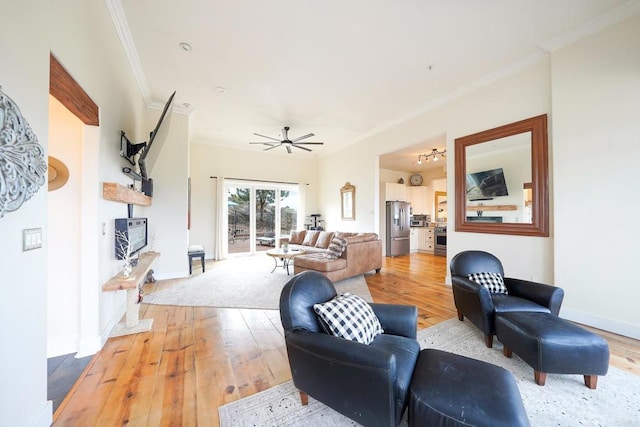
(258, 214)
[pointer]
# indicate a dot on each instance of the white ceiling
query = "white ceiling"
(342, 69)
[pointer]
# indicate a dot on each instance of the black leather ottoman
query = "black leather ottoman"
(553, 345)
(452, 390)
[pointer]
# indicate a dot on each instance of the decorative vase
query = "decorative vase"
(126, 269)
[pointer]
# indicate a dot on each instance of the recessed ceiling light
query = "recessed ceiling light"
(220, 89)
(185, 46)
(186, 105)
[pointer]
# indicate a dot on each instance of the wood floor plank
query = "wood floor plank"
(196, 359)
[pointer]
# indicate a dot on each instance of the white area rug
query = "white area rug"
(563, 401)
(243, 282)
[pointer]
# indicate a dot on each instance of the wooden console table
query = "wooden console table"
(132, 324)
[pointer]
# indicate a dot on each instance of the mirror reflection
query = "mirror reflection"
(496, 174)
(440, 203)
(502, 179)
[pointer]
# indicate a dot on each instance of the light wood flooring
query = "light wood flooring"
(197, 358)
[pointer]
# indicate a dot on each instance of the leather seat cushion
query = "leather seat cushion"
(452, 390)
(503, 304)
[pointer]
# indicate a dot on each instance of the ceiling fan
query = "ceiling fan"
(286, 142)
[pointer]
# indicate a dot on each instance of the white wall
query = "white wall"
(211, 160)
(63, 226)
(23, 311)
(596, 152)
(168, 213)
(523, 94)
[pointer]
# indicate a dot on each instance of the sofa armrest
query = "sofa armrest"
(397, 319)
(545, 295)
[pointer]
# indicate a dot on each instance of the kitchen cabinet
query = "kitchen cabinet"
(395, 192)
(413, 240)
(418, 199)
(425, 240)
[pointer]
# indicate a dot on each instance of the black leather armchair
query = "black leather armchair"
(367, 383)
(479, 306)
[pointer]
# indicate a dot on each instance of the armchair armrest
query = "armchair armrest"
(397, 319)
(463, 286)
(545, 295)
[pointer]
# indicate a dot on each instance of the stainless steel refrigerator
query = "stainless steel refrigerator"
(398, 228)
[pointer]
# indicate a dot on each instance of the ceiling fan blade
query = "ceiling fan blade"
(288, 148)
(300, 138)
(309, 143)
(302, 148)
(273, 146)
(264, 143)
(268, 137)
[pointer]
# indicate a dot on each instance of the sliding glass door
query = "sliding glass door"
(258, 214)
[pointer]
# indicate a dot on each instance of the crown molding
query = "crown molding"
(124, 34)
(593, 26)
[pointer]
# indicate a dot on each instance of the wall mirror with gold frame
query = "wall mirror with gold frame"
(502, 180)
(348, 202)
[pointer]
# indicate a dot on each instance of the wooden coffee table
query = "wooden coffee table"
(285, 257)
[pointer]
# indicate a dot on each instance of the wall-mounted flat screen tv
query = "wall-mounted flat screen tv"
(486, 185)
(132, 229)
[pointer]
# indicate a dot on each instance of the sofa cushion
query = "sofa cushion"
(337, 246)
(310, 238)
(492, 281)
(297, 237)
(320, 262)
(349, 316)
(324, 239)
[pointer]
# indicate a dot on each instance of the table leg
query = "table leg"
(275, 260)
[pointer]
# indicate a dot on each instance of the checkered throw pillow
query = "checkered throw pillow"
(492, 281)
(349, 316)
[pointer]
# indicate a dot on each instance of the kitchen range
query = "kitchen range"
(440, 237)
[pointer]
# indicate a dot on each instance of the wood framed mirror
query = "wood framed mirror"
(491, 170)
(348, 202)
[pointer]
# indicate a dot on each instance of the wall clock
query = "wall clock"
(416, 179)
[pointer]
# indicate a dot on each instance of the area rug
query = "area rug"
(241, 282)
(563, 401)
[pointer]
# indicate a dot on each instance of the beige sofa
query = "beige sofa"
(363, 253)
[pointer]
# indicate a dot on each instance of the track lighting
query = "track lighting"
(434, 155)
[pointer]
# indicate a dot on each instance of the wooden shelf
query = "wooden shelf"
(139, 272)
(492, 208)
(119, 193)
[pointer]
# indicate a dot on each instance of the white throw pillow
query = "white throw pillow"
(349, 316)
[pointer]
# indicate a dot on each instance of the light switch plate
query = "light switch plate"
(31, 239)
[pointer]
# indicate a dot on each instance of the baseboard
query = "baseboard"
(44, 417)
(614, 326)
(174, 275)
(89, 346)
(115, 319)
(60, 345)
